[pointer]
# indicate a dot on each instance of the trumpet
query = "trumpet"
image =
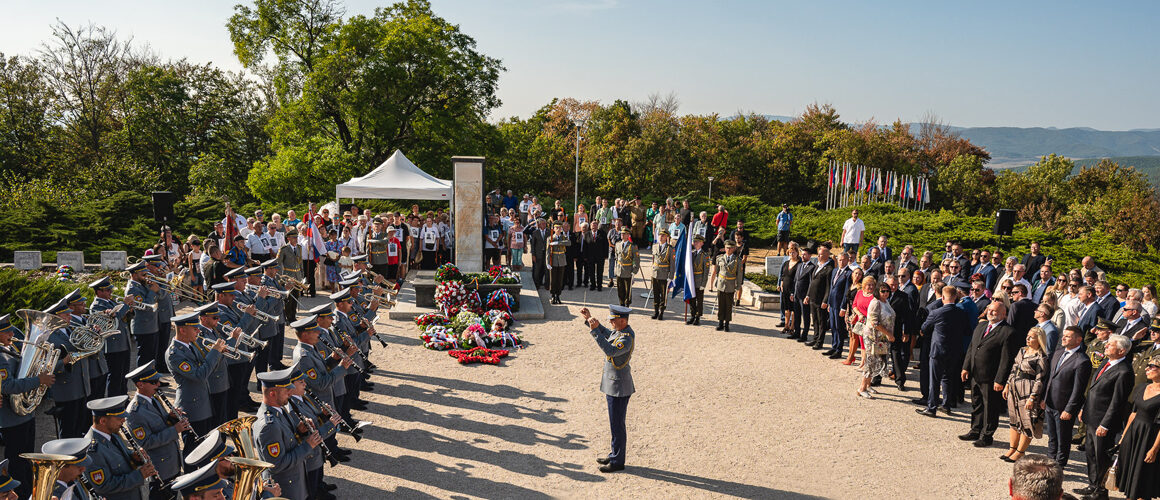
(231, 352)
(288, 281)
(176, 411)
(281, 294)
(138, 305)
(263, 316)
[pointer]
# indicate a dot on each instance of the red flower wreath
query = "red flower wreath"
(479, 355)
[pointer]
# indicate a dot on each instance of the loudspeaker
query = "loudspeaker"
(163, 206)
(1004, 222)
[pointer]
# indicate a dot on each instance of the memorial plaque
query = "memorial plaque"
(27, 260)
(773, 264)
(113, 260)
(469, 212)
(75, 260)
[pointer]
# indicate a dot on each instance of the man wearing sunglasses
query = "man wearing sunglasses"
(1133, 324)
(1022, 313)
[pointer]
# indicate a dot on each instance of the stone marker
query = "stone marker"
(773, 265)
(75, 260)
(27, 260)
(469, 212)
(113, 260)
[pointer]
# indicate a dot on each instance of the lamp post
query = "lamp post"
(576, 197)
(710, 188)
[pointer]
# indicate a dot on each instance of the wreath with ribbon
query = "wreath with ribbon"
(479, 355)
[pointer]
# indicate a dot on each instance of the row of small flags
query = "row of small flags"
(875, 181)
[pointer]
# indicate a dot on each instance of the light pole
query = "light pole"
(576, 197)
(710, 189)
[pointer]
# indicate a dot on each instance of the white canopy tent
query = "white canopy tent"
(396, 179)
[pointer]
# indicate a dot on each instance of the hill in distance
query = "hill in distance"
(1148, 165)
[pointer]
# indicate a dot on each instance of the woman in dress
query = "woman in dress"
(335, 246)
(1138, 474)
(1024, 392)
(850, 315)
(785, 284)
(1149, 300)
(877, 334)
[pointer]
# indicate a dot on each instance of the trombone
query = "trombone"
(138, 305)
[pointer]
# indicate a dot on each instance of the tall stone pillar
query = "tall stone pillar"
(469, 212)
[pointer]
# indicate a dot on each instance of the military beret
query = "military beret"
(203, 479)
(109, 407)
(144, 373)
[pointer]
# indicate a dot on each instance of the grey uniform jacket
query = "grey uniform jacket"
(338, 387)
(617, 347)
(728, 273)
(557, 250)
(627, 259)
(144, 321)
(120, 341)
(274, 307)
(219, 380)
(9, 385)
(662, 261)
(290, 259)
(111, 474)
(60, 489)
(314, 460)
(72, 381)
(700, 268)
(232, 317)
(192, 368)
(345, 323)
(164, 304)
(276, 443)
(319, 379)
(147, 422)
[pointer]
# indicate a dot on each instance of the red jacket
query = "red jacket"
(721, 219)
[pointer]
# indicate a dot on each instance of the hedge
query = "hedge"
(20, 290)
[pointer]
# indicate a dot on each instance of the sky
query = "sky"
(1024, 64)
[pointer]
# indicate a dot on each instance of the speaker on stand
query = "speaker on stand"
(163, 207)
(1004, 224)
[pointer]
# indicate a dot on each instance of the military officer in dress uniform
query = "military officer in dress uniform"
(117, 346)
(219, 381)
(18, 431)
(616, 383)
(1144, 350)
(144, 325)
(728, 277)
(154, 428)
(661, 272)
(300, 408)
(201, 484)
(627, 258)
(193, 365)
(275, 437)
(214, 450)
(273, 332)
(98, 369)
(113, 473)
(71, 389)
(345, 323)
(325, 369)
(9, 485)
(557, 260)
(700, 277)
(290, 261)
(68, 480)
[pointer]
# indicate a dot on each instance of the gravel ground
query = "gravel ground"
(746, 414)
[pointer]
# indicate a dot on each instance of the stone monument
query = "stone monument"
(26, 260)
(113, 260)
(469, 212)
(75, 260)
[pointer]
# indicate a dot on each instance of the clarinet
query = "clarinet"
(173, 409)
(341, 354)
(136, 447)
(328, 411)
(313, 429)
(83, 483)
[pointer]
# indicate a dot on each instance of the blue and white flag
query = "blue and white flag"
(684, 266)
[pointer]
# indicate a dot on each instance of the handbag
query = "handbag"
(1110, 482)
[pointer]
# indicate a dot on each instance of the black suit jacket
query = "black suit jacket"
(819, 289)
(903, 315)
(1022, 316)
(1140, 325)
(805, 272)
(876, 269)
(598, 248)
(946, 327)
(1088, 320)
(1033, 262)
(1109, 305)
(1107, 400)
(1067, 383)
(989, 359)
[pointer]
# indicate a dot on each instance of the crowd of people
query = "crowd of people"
(1065, 354)
(234, 335)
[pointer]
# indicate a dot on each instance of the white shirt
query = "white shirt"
(240, 223)
(255, 244)
(525, 205)
(853, 230)
(273, 241)
(358, 233)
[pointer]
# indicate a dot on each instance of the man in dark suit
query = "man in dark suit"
(1022, 313)
(873, 263)
(801, 287)
(1035, 259)
(908, 288)
(538, 237)
(1132, 325)
(987, 365)
(991, 274)
(883, 251)
(595, 252)
(1067, 379)
(1109, 303)
(904, 326)
(817, 297)
(944, 328)
(1043, 281)
(836, 304)
(1089, 311)
(1105, 413)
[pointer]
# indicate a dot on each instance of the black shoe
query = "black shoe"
(781, 325)
(946, 409)
(611, 468)
(828, 352)
(342, 458)
(836, 355)
(689, 321)
(803, 339)
(654, 316)
(926, 412)
(818, 346)
(697, 321)
(599, 289)
(970, 436)
(329, 486)
(603, 460)
(726, 326)
(569, 288)
(984, 442)
(810, 343)
(901, 386)
(791, 335)
(919, 401)
(1086, 490)
(661, 315)
(720, 325)
(877, 381)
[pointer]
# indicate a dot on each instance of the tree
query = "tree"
(27, 118)
(964, 185)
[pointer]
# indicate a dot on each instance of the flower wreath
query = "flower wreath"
(428, 320)
(439, 338)
(448, 272)
(479, 355)
(500, 299)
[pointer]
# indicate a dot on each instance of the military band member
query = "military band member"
(201, 484)
(249, 304)
(273, 332)
(154, 428)
(156, 267)
(209, 320)
(557, 260)
(627, 265)
(144, 325)
(616, 383)
(9, 485)
(275, 438)
(661, 272)
(327, 345)
(268, 304)
(299, 405)
(113, 473)
(238, 370)
(18, 431)
(68, 478)
(345, 322)
(117, 346)
(728, 276)
(98, 369)
(700, 277)
(215, 450)
(290, 261)
(71, 390)
(193, 365)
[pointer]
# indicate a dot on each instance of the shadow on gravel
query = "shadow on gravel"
(715, 486)
(445, 397)
(430, 442)
(508, 433)
(418, 470)
(499, 391)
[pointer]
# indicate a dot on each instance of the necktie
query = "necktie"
(988, 332)
(1102, 370)
(160, 410)
(1062, 359)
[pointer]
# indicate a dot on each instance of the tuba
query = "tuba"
(45, 467)
(37, 357)
(248, 476)
(242, 435)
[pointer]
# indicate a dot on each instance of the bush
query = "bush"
(766, 282)
(19, 290)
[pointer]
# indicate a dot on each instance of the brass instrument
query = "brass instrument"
(263, 316)
(388, 299)
(248, 476)
(327, 411)
(289, 282)
(138, 305)
(177, 287)
(242, 435)
(37, 357)
(45, 467)
(233, 352)
(135, 447)
(272, 291)
(89, 339)
(168, 405)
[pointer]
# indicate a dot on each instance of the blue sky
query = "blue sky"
(1061, 64)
